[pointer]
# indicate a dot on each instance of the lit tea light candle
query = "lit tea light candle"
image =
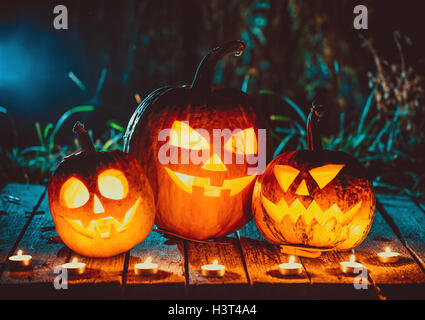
(20, 261)
(213, 270)
(146, 268)
(388, 256)
(349, 267)
(75, 267)
(291, 268)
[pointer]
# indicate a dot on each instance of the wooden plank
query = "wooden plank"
(408, 222)
(17, 201)
(102, 279)
(170, 281)
(250, 260)
(328, 282)
(234, 284)
(402, 280)
(262, 259)
(47, 254)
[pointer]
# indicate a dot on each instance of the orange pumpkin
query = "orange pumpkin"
(314, 199)
(101, 202)
(210, 198)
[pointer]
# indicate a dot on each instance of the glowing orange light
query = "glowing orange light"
(98, 208)
(243, 142)
(214, 163)
(74, 193)
(302, 189)
(325, 221)
(186, 183)
(285, 175)
(105, 226)
(325, 174)
(184, 136)
(113, 184)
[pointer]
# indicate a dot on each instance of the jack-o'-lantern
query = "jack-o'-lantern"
(207, 197)
(314, 200)
(101, 202)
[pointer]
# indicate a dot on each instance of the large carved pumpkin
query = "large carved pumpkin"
(101, 202)
(208, 197)
(314, 199)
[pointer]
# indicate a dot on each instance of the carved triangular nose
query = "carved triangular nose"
(302, 189)
(98, 208)
(214, 164)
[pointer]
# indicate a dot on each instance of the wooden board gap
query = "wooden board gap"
(387, 217)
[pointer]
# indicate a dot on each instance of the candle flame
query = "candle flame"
(148, 260)
(215, 262)
(352, 258)
(19, 253)
(291, 259)
(387, 249)
(75, 260)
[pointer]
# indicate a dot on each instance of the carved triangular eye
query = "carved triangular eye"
(243, 142)
(184, 136)
(285, 175)
(325, 174)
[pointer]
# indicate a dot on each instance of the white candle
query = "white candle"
(20, 261)
(213, 270)
(388, 256)
(146, 268)
(291, 268)
(349, 267)
(74, 267)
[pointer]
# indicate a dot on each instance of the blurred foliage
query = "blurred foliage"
(297, 52)
(35, 164)
(387, 135)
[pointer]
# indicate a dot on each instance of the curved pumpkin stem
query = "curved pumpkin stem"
(205, 72)
(314, 142)
(83, 137)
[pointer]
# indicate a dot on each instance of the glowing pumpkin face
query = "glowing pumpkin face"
(209, 197)
(314, 199)
(213, 170)
(101, 203)
(199, 195)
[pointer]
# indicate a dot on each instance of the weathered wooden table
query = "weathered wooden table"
(251, 261)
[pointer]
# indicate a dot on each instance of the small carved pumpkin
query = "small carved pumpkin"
(101, 202)
(314, 199)
(210, 198)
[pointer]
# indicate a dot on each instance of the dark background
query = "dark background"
(151, 43)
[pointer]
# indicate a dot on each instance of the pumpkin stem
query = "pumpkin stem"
(205, 72)
(314, 142)
(83, 137)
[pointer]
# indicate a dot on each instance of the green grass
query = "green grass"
(367, 138)
(35, 164)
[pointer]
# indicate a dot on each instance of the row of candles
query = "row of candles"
(24, 261)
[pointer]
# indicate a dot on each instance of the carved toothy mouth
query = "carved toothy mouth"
(314, 226)
(278, 211)
(187, 182)
(104, 227)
